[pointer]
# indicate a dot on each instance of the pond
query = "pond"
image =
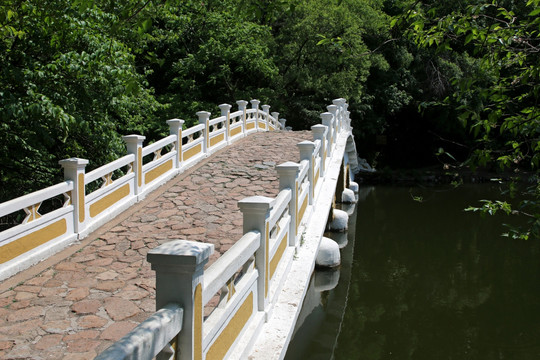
(422, 279)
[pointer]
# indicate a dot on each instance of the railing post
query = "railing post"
(266, 109)
(333, 109)
(318, 134)
(288, 178)
(226, 111)
(275, 115)
(256, 210)
(255, 105)
(306, 153)
(175, 128)
(242, 107)
(340, 103)
(345, 121)
(74, 170)
(204, 118)
(179, 266)
(134, 146)
(327, 121)
(282, 122)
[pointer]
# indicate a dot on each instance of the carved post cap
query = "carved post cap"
(73, 163)
(318, 130)
(256, 204)
(288, 166)
(203, 116)
(339, 101)
(326, 116)
(306, 144)
(133, 139)
(255, 103)
(306, 149)
(175, 124)
(225, 108)
(241, 104)
(266, 108)
(275, 114)
(332, 108)
(180, 256)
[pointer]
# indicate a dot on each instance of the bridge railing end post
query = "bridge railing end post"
(179, 266)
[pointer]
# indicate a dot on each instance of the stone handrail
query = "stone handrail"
(149, 338)
(85, 201)
(249, 276)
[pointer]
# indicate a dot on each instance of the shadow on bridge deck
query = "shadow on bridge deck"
(77, 303)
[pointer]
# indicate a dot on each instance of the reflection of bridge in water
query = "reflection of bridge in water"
(76, 303)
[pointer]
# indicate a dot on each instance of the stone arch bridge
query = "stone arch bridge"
(251, 198)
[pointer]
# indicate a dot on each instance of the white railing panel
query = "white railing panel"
(283, 227)
(217, 275)
(217, 120)
(19, 231)
(192, 130)
(171, 139)
(34, 198)
(280, 205)
(106, 190)
(217, 324)
(108, 168)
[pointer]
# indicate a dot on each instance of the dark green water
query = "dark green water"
(426, 280)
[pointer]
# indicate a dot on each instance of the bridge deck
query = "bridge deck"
(77, 303)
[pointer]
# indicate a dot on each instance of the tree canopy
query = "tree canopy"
(426, 81)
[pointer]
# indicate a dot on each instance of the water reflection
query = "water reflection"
(429, 281)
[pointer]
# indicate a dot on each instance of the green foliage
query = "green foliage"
(498, 101)
(68, 89)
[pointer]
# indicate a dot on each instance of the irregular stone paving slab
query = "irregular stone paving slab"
(79, 306)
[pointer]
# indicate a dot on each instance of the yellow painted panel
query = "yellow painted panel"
(139, 162)
(296, 209)
(217, 139)
(81, 197)
(158, 171)
(317, 177)
(228, 336)
(236, 131)
(261, 125)
(197, 323)
(33, 240)
(250, 126)
(277, 256)
(266, 260)
(302, 210)
(192, 152)
(109, 200)
(179, 148)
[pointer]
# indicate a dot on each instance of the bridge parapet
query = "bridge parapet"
(250, 277)
(51, 219)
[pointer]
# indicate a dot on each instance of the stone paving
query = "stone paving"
(78, 303)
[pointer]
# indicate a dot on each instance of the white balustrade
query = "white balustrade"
(90, 199)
